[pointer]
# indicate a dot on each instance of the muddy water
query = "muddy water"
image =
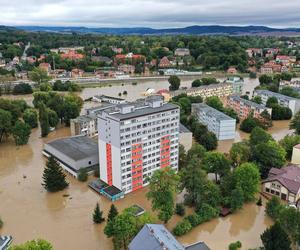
(278, 131)
(64, 218)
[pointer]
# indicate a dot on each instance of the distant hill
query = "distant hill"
(194, 30)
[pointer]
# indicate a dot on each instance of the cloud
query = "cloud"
(150, 13)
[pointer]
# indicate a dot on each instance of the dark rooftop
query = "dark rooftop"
(183, 129)
(197, 246)
(288, 176)
(76, 147)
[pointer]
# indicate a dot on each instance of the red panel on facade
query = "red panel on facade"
(137, 166)
(109, 164)
(165, 151)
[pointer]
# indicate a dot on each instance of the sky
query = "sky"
(150, 13)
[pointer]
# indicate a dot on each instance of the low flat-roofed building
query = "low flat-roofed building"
(185, 137)
(84, 125)
(283, 100)
(223, 126)
(74, 153)
(108, 99)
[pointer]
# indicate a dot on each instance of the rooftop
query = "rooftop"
(279, 96)
(183, 129)
(247, 102)
(76, 147)
(288, 176)
(150, 105)
(155, 236)
(201, 107)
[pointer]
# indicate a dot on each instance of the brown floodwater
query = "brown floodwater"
(64, 218)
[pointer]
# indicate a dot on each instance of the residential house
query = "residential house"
(284, 183)
(77, 73)
(244, 107)
(72, 55)
(223, 126)
(126, 68)
(158, 237)
(237, 84)
(254, 52)
(46, 67)
(164, 63)
(182, 52)
(232, 71)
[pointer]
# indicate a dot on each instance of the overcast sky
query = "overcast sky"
(150, 13)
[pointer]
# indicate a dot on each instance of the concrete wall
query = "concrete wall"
(227, 129)
(186, 139)
(296, 156)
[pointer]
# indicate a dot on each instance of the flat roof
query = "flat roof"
(76, 147)
(109, 97)
(279, 96)
(202, 107)
(248, 102)
(183, 129)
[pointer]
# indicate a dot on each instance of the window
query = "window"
(90, 162)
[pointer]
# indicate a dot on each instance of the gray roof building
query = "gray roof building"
(74, 153)
(223, 126)
(157, 237)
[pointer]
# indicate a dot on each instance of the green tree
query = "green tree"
(247, 178)
(240, 152)
(179, 209)
(1, 223)
(196, 83)
(259, 135)
(5, 123)
(289, 91)
(265, 79)
(269, 155)
(38, 75)
(275, 238)
(289, 219)
(214, 102)
(44, 120)
(30, 117)
(54, 178)
(33, 245)
(249, 124)
(217, 163)
(71, 111)
(113, 212)
(271, 102)
(82, 175)
(274, 207)
(21, 133)
(288, 142)
(295, 123)
(208, 140)
(53, 118)
(236, 199)
(197, 151)
(163, 186)
(174, 82)
(98, 215)
(257, 99)
(182, 157)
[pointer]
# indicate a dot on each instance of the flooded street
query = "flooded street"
(65, 218)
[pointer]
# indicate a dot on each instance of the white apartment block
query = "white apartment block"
(135, 139)
(283, 100)
(220, 90)
(223, 126)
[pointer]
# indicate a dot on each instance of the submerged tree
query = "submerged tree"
(54, 178)
(98, 215)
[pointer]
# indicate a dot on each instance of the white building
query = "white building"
(223, 126)
(283, 100)
(135, 139)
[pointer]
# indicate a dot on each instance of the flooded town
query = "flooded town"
(64, 218)
(148, 138)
